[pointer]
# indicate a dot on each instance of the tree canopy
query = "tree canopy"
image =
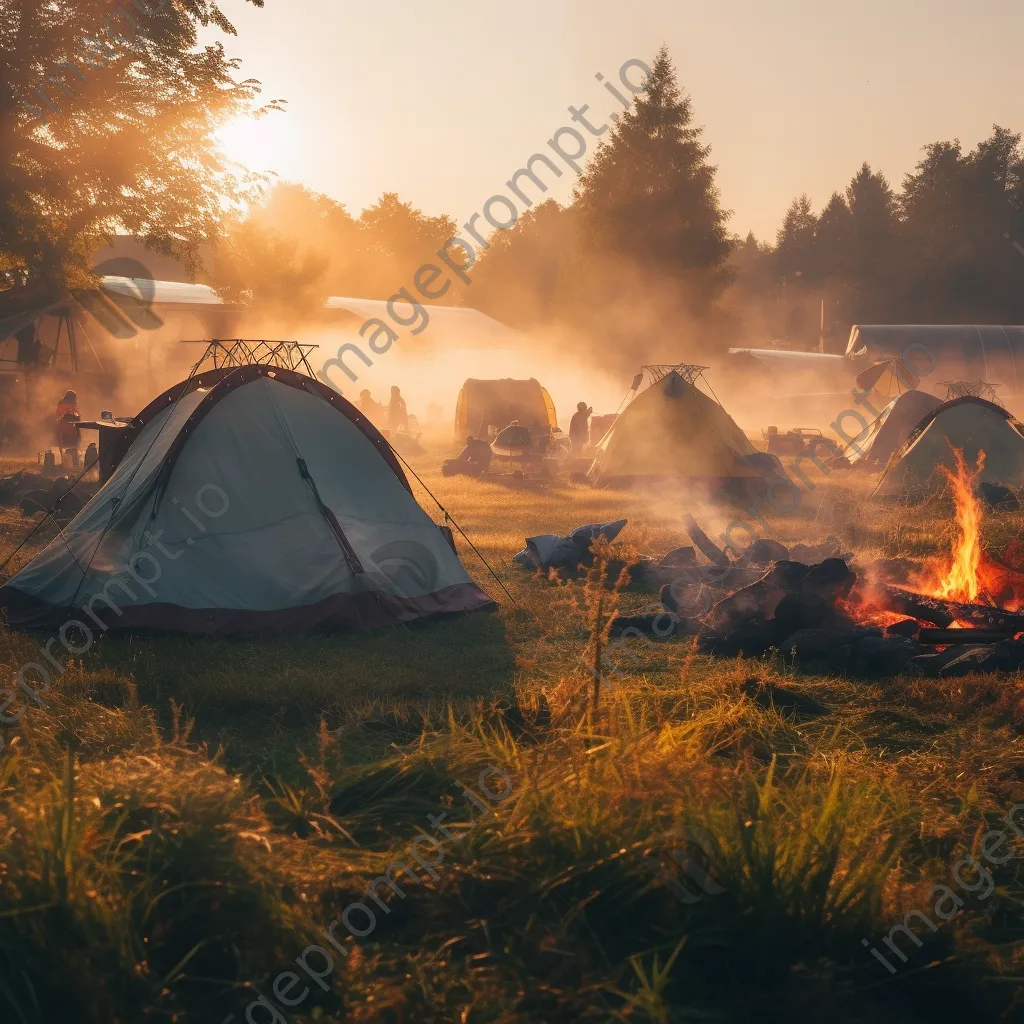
(316, 248)
(649, 192)
(106, 121)
(936, 251)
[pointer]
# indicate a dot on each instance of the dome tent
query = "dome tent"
(970, 424)
(673, 431)
(874, 446)
(483, 404)
(250, 498)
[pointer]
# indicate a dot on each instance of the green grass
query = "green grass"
(184, 815)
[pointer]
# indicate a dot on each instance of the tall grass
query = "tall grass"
(166, 861)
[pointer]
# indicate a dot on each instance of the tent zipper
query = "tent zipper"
(350, 552)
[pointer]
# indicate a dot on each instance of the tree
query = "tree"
(649, 193)
(873, 216)
(833, 240)
(519, 275)
(395, 239)
(318, 229)
(269, 272)
(753, 265)
(106, 120)
(794, 249)
(294, 247)
(957, 210)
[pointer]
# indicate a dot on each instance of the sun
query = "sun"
(259, 145)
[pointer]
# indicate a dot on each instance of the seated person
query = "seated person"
(368, 407)
(473, 460)
(514, 436)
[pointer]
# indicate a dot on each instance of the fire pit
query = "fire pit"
(972, 592)
(952, 616)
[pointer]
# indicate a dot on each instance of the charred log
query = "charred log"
(706, 545)
(905, 602)
(979, 635)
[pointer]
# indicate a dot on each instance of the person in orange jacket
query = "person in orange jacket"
(67, 417)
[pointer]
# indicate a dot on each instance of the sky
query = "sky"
(442, 102)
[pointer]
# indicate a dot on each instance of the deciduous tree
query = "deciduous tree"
(106, 120)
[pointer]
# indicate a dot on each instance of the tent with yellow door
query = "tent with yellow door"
(488, 406)
(672, 431)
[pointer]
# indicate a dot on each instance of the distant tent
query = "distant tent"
(484, 404)
(970, 424)
(673, 431)
(874, 446)
(252, 498)
(890, 376)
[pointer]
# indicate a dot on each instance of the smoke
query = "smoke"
(606, 320)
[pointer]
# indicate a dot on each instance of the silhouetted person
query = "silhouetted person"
(477, 454)
(29, 347)
(579, 428)
(368, 407)
(473, 460)
(398, 417)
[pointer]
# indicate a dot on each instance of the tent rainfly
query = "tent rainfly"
(673, 431)
(970, 424)
(251, 498)
(874, 446)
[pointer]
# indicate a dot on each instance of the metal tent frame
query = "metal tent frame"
(289, 355)
(688, 371)
(971, 389)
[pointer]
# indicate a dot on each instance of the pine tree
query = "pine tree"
(833, 240)
(873, 212)
(649, 193)
(795, 243)
(957, 211)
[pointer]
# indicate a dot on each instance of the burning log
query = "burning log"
(987, 616)
(905, 602)
(789, 597)
(943, 613)
(948, 637)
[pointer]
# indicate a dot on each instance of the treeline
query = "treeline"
(642, 248)
(296, 247)
(643, 241)
(640, 262)
(939, 250)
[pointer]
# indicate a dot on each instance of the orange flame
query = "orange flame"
(962, 580)
(970, 575)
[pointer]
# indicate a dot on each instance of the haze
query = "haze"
(441, 103)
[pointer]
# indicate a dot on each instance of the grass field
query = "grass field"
(184, 816)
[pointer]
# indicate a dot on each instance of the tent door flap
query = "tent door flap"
(350, 552)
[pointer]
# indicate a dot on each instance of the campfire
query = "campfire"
(968, 589)
(961, 611)
(963, 579)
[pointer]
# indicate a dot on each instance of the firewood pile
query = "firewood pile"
(825, 614)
